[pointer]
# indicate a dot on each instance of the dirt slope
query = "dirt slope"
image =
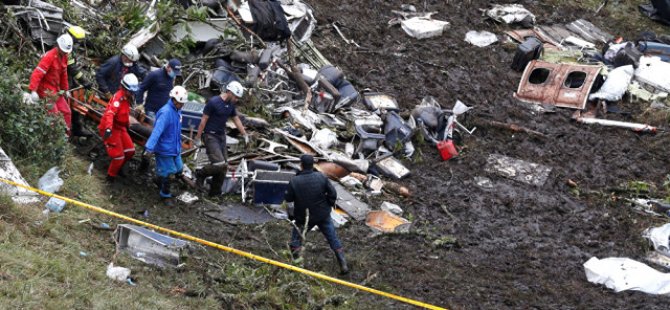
(520, 246)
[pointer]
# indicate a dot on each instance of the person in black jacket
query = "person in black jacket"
(311, 190)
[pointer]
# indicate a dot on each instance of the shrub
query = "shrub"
(27, 133)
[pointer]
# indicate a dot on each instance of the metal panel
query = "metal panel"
(351, 205)
(553, 90)
(149, 246)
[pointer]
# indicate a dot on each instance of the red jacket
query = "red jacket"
(50, 74)
(117, 114)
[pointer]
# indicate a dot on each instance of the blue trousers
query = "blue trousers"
(327, 229)
(166, 166)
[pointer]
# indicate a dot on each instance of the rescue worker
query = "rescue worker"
(110, 73)
(165, 142)
(213, 124)
(76, 79)
(158, 85)
(311, 190)
(49, 79)
(114, 126)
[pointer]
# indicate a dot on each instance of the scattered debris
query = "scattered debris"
(621, 274)
(615, 85)
(653, 72)
(9, 172)
(50, 182)
(387, 222)
(511, 13)
(187, 198)
(423, 26)
(117, 273)
(562, 85)
(390, 207)
(605, 122)
(518, 170)
(480, 38)
(234, 213)
(149, 246)
(350, 204)
(270, 186)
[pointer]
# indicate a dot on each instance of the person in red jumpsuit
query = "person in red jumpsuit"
(114, 126)
(49, 79)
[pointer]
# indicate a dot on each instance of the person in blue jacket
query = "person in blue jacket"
(158, 85)
(110, 73)
(165, 142)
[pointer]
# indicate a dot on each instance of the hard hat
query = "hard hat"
(77, 32)
(236, 88)
(131, 52)
(130, 82)
(179, 94)
(65, 43)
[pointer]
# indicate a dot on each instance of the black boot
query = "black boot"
(78, 129)
(339, 254)
(110, 179)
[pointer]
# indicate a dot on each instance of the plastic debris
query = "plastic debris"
(511, 13)
(480, 38)
(50, 181)
(653, 72)
(117, 273)
(324, 139)
(621, 274)
(616, 84)
(423, 27)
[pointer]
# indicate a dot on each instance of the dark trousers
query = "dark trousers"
(327, 229)
(215, 144)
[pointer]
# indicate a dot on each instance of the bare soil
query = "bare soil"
(506, 247)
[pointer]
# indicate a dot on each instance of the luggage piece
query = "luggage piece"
(525, 52)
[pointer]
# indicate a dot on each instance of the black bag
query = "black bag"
(525, 52)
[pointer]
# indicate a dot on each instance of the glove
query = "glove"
(246, 139)
(148, 154)
(108, 133)
(87, 85)
(108, 95)
(198, 143)
(34, 96)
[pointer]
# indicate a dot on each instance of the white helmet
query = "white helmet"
(65, 43)
(130, 82)
(179, 94)
(236, 88)
(131, 52)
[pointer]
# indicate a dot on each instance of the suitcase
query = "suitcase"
(525, 52)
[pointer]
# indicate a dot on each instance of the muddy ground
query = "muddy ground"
(506, 247)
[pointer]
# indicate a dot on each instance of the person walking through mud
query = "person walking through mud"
(165, 142)
(311, 190)
(213, 124)
(114, 126)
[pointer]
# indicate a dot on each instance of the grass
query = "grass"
(41, 266)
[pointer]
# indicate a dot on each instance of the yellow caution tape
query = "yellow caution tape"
(228, 249)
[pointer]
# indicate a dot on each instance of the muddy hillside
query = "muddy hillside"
(517, 245)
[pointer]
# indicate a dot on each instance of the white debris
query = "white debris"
(512, 13)
(350, 182)
(187, 198)
(117, 273)
(480, 38)
(579, 42)
(390, 207)
(653, 72)
(423, 27)
(622, 274)
(616, 84)
(324, 139)
(9, 172)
